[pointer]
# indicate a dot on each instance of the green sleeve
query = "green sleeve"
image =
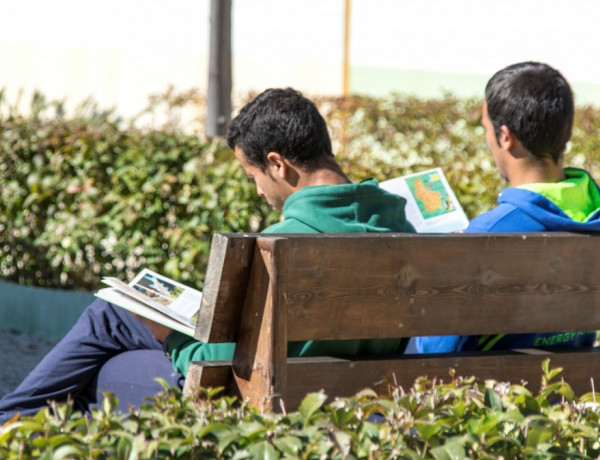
(185, 349)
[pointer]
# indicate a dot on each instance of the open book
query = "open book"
(157, 298)
(431, 205)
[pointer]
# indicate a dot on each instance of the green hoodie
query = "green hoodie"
(348, 208)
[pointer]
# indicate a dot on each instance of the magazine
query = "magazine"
(157, 298)
(431, 205)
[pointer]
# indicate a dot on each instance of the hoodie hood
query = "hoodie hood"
(572, 205)
(347, 208)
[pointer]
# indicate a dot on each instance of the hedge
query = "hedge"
(86, 197)
(457, 419)
(92, 195)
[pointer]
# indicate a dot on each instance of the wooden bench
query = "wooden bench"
(262, 291)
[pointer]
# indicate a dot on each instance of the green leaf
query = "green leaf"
(59, 440)
(68, 452)
(342, 416)
(344, 441)
(390, 406)
(213, 428)
(593, 398)
(252, 430)
(289, 445)
(492, 400)
(451, 450)
(538, 435)
(546, 366)
(531, 406)
(430, 429)
(30, 426)
(124, 446)
(491, 423)
(311, 404)
(263, 450)
(567, 392)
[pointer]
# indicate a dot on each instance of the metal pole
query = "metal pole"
(346, 69)
(345, 76)
(218, 101)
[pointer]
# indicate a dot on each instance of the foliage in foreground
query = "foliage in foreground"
(460, 419)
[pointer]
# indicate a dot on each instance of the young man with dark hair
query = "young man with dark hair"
(282, 143)
(528, 117)
(294, 169)
(256, 130)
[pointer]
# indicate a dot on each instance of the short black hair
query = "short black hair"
(282, 121)
(535, 102)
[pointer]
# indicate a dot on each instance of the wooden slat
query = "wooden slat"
(225, 287)
(259, 361)
(209, 374)
(374, 286)
(342, 378)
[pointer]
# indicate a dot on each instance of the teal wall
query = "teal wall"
(38, 311)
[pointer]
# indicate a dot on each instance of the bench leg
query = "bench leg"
(259, 361)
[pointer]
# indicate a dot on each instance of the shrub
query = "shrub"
(463, 418)
(397, 135)
(83, 198)
(92, 195)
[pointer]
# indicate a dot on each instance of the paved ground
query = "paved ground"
(19, 354)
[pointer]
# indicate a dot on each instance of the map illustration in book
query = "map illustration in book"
(431, 205)
(157, 298)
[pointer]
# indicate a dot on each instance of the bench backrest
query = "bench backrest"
(303, 287)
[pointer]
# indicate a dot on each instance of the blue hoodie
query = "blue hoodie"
(572, 205)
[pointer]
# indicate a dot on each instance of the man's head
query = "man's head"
(535, 103)
(277, 137)
(282, 121)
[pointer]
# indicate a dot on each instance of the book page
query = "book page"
(113, 296)
(431, 205)
(160, 293)
(178, 297)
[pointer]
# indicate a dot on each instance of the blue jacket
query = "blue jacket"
(520, 209)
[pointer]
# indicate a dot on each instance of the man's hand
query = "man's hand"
(159, 331)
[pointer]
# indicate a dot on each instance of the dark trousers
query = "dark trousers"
(108, 349)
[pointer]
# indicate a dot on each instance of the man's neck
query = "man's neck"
(535, 171)
(328, 173)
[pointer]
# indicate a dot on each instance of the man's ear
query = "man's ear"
(277, 164)
(506, 139)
